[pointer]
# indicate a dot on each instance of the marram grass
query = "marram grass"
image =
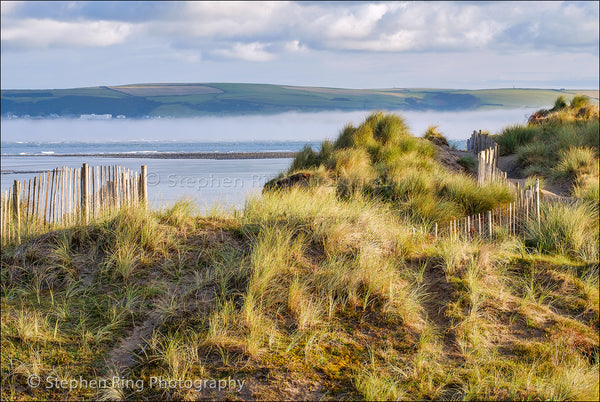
(311, 294)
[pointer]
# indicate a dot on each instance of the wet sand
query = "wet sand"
(185, 155)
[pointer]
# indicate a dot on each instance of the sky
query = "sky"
(468, 45)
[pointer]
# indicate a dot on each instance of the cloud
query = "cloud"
(254, 51)
(352, 24)
(243, 29)
(556, 25)
(241, 20)
(294, 46)
(43, 33)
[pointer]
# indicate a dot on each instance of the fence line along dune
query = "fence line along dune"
(66, 196)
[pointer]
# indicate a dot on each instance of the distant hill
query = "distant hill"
(188, 100)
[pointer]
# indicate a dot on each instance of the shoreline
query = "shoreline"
(179, 155)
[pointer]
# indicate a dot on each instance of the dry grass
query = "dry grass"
(303, 283)
(312, 293)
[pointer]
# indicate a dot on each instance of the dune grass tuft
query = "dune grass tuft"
(566, 229)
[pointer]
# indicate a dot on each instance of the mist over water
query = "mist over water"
(226, 182)
(280, 127)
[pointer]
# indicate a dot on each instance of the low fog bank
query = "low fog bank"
(280, 127)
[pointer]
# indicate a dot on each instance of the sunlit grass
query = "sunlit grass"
(314, 292)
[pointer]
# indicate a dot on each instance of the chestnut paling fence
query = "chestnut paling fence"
(487, 153)
(510, 218)
(66, 196)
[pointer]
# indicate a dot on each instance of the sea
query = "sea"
(31, 146)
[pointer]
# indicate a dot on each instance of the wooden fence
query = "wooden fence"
(487, 166)
(479, 141)
(64, 196)
(509, 218)
(486, 150)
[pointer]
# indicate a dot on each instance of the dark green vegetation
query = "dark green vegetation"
(328, 290)
(185, 100)
(560, 144)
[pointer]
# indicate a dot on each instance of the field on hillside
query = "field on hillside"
(185, 100)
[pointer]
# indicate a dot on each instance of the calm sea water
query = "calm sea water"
(207, 182)
(31, 146)
(147, 147)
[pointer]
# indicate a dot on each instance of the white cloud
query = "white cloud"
(377, 27)
(254, 51)
(294, 46)
(42, 33)
(350, 24)
(226, 19)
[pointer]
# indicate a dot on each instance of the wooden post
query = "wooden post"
(104, 181)
(468, 225)
(144, 186)
(84, 193)
(510, 219)
(527, 195)
(488, 164)
(479, 168)
(514, 217)
(70, 194)
(490, 223)
(117, 187)
(51, 195)
(60, 194)
(46, 191)
(97, 190)
(37, 183)
(33, 203)
(92, 207)
(76, 194)
(124, 187)
(495, 155)
(28, 202)
(55, 196)
(17, 209)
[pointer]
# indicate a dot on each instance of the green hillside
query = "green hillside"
(187, 100)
